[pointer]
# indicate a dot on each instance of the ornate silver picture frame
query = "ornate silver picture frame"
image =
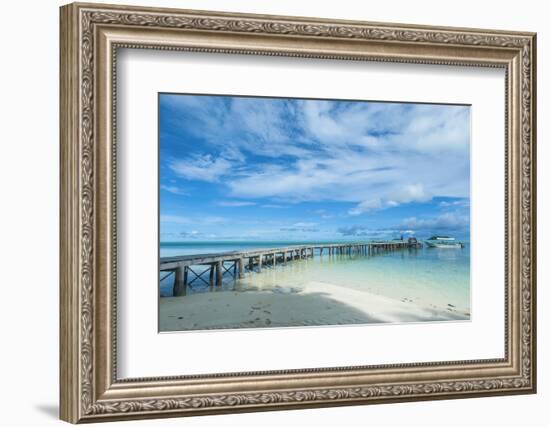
(91, 36)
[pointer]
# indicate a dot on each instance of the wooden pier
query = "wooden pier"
(236, 263)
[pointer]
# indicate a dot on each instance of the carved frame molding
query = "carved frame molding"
(90, 37)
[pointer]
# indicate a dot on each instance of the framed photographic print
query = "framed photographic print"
(264, 212)
(304, 212)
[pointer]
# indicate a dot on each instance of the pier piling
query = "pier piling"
(219, 273)
(179, 283)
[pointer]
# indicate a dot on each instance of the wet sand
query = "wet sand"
(318, 304)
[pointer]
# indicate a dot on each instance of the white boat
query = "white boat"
(443, 242)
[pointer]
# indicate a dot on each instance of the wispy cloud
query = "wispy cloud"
(235, 204)
(446, 222)
(201, 167)
(403, 194)
(465, 203)
(272, 206)
(189, 234)
(173, 189)
(175, 219)
(178, 219)
(370, 233)
(443, 222)
(303, 227)
(304, 224)
(213, 220)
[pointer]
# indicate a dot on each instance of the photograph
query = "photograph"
(293, 212)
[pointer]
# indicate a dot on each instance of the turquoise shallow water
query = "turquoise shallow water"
(427, 276)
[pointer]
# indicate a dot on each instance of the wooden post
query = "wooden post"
(211, 281)
(260, 263)
(241, 267)
(179, 283)
(219, 273)
(284, 257)
(250, 264)
(274, 260)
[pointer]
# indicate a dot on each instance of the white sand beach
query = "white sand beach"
(318, 303)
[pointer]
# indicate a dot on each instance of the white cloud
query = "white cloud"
(304, 224)
(364, 231)
(201, 167)
(213, 220)
(403, 194)
(302, 227)
(235, 204)
(272, 206)
(455, 204)
(173, 189)
(446, 221)
(178, 219)
(175, 219)
(365, 206)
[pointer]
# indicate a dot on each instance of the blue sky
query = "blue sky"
(244, 168)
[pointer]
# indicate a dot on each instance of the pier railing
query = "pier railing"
(253, 260)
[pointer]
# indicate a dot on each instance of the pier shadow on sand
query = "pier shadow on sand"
(268, 309)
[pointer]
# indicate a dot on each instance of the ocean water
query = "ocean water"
(429, 277)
